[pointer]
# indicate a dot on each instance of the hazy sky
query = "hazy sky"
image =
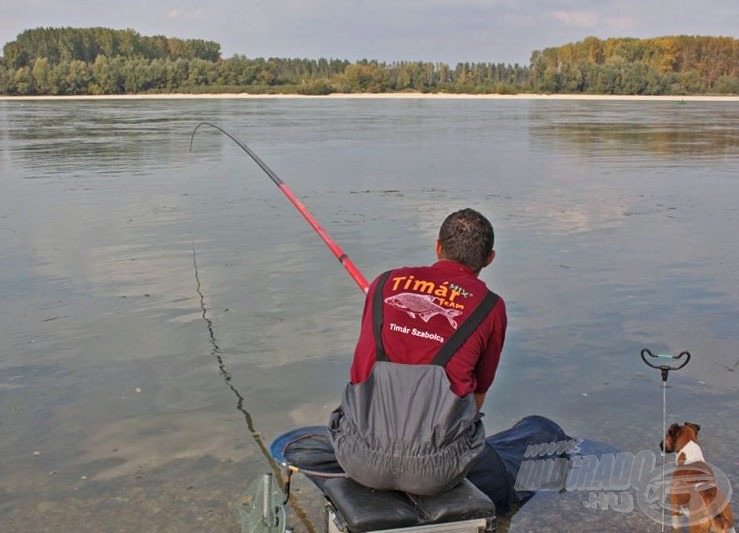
(498, 31)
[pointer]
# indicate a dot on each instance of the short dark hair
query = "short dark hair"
(467, 237)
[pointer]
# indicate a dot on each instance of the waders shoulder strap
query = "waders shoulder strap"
(377, 317)
(465, 330)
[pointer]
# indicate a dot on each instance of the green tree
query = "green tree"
(727, 85)
(367, 77)
(41, 74)
(108, 75)
(79, 78)
(23, 81)
(267, 74)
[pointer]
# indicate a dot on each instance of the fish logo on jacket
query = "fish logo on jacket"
(423, 306)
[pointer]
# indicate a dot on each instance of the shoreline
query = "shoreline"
(388, 96)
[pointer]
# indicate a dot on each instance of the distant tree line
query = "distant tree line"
(74, 61)
(664, 65)
(58, 45)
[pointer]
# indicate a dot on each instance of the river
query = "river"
(166, 312)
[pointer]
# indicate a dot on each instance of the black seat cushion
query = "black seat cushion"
(365, 509)
(464, 502)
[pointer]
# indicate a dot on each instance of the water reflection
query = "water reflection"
(670, 130)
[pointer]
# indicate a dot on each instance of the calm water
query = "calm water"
(164, 313)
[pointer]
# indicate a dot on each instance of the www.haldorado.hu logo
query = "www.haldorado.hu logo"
(611, 478)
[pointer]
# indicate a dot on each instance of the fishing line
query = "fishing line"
(344, 259)
(255, 435)
(217, 354)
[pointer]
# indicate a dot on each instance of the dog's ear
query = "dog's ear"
(696, 427)
(668, 445)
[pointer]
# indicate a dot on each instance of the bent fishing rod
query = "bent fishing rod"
(344, 259)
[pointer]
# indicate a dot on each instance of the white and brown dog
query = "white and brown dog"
(694, 488)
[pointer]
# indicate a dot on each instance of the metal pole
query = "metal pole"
(267, 499)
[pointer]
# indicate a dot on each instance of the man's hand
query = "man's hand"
(479, 399)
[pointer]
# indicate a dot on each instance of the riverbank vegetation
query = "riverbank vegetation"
(79, 61)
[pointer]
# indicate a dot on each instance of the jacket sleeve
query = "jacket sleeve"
(364, 352)
(487, 365)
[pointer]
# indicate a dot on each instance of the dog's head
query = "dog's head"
(678, 435)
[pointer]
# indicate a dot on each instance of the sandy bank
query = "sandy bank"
(390, 96)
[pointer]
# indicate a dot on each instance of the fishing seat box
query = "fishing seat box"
(353, 508)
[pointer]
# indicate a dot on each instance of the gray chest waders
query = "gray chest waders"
(403, 428)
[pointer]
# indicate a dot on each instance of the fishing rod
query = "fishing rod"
(344, 259)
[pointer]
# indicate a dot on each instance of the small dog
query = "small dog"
(694, 486)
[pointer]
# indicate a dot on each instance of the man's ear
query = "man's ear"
(438, 249)
(491, 257)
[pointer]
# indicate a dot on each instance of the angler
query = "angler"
(475, 474)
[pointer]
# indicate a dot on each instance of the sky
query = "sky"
(450, 31)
